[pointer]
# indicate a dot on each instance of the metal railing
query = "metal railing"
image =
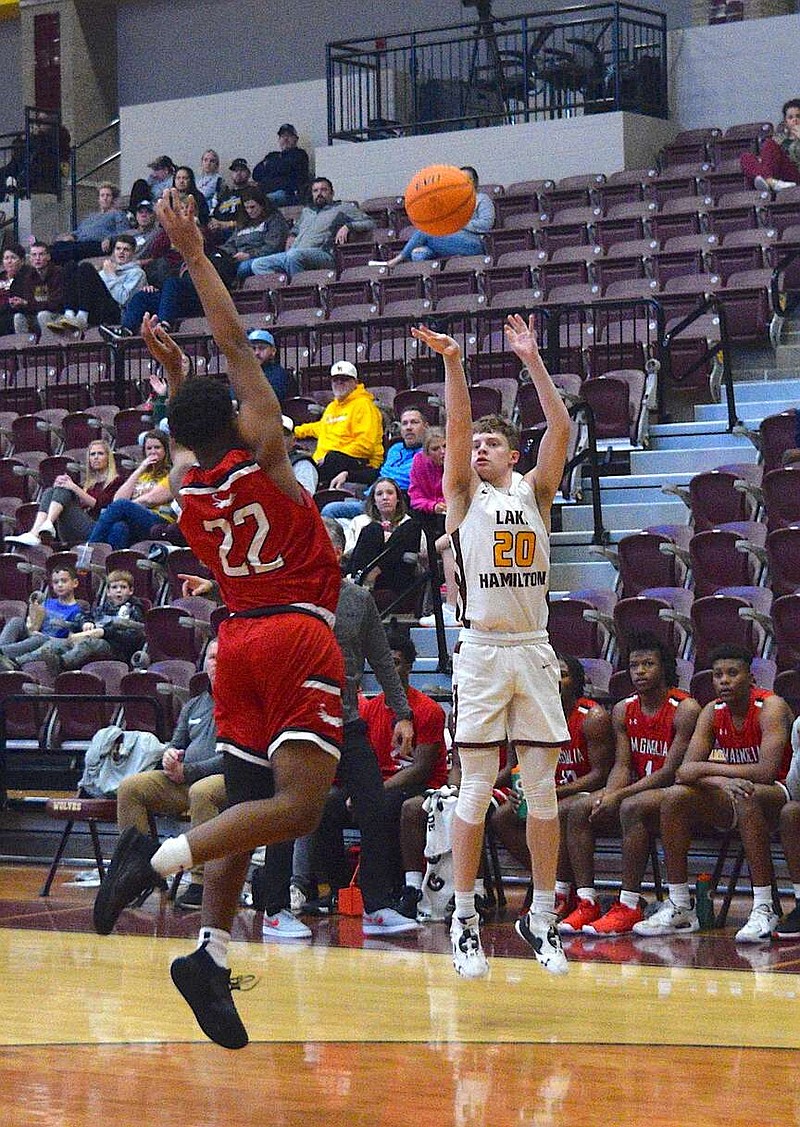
(718, 352)
(84, 162)
(583, 59)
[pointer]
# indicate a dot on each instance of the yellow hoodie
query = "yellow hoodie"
(352, 425)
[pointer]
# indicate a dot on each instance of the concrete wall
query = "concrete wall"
(11, 102)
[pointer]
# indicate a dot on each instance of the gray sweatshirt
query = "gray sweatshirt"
(316, 226)
(360, 634)
(196, 734)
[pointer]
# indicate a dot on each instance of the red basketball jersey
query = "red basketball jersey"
(573, 759)
(263, 548)
(743, 745)
(651, 736)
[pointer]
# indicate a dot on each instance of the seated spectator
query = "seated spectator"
(49, 159)
(190, 779)
(143, 500)
(303, 465)
(321, 225)
(263, 343)
(144, 232)
(183, 181)
(283, 174)
(16, 286)
(733, 776)
(92, 297)
(44, 297)
(652, 730)
(229, 197)
(172, 299)
(777, 165)
(388, 526)
(582, 768)
(89, 239)
(427, 472)
(467, 241)
(162, 169)
(67, 510)
(113, 630)
(209, 182)
(260, 229)
(53, 616)
(350, 432)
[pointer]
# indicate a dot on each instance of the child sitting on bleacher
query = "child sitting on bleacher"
(57, 615)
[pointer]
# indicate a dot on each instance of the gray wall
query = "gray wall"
(252, 43)
(11, 103)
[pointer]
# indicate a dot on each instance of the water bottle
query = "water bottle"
(704, 902)
(83, 559)
(516, 786)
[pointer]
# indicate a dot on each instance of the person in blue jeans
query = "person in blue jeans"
(143, 500)
(177, 298)
(469, 240)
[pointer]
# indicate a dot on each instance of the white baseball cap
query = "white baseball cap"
(344, 368)
(288, 424)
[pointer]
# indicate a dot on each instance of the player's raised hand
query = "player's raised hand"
(178, 218)
(521, 335)
(437, 342)
(162, 348)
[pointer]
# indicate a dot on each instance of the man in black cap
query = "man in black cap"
(162, 169)
(223, 217)
(283, 174)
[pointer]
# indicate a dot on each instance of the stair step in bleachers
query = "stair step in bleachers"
(675, 461)
(732, 444)
(749, 412)
(574, 576)
(632, 515)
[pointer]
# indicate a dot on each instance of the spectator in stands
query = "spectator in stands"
(427, 472)
(733, 776)
(350, 433)
(263, 343)
(16, 286)
(321, 225)
(260, 229)
(229, 198)
(143, 500)
(209, 182)
(777, 165)
(469, 240)
(183, 180)
(162, 169)
(113, 631)
(388, 528)
(173, 298)
(652, 729)
(144, 232)
(583, 767)
(92, 296)
(89, 239)
(789, 925)
(53, 616)
(303, 465)
(46, 292)
(68, 511)
(190, 779)
(283, 174)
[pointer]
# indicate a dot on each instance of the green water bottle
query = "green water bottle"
(704, 902)
(516, 786)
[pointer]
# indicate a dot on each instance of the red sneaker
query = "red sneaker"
(586, 912)
(566, 904)
(618, 920)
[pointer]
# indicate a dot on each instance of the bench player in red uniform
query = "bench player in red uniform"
(652, 729)
(733, 776)
(279, 673)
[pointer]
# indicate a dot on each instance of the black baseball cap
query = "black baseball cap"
(240, 164)
(287, 128)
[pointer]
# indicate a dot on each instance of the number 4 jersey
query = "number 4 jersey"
(263, 548)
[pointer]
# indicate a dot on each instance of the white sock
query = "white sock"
(587, 894)
(465, 905)
(216, 941)
(629, 899)
(69, 312)
(480, 887)
(563, 888)
(414, 880)
(762, 894)
(543, 902)
(174, 856)
(679, 895)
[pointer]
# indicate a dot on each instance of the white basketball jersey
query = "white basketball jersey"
(502, 555)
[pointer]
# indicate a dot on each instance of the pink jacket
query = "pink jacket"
(425, 486)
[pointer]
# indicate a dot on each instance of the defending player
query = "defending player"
(506, 676)
(279, 672)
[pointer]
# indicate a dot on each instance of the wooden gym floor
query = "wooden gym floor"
(345, 1030)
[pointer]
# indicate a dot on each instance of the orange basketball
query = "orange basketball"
(440, 199)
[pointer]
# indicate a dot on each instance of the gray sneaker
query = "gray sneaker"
(386, 921)
(670, 919)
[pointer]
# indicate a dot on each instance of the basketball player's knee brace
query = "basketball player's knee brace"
(478, 773)
(537, 766)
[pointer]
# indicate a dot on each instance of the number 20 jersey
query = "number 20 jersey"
(502, 555)
(263, 548)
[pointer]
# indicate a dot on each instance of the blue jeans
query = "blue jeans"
(124, 523)
(281, 197)
(292, 261)
(177, 298)
(343, 510)
(421, 246)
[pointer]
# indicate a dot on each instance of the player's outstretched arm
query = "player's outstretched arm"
(460, 480)
(259, 410)
(546, 475)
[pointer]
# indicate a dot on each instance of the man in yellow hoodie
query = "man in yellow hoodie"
(350, 433)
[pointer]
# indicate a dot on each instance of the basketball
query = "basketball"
(440, 199)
